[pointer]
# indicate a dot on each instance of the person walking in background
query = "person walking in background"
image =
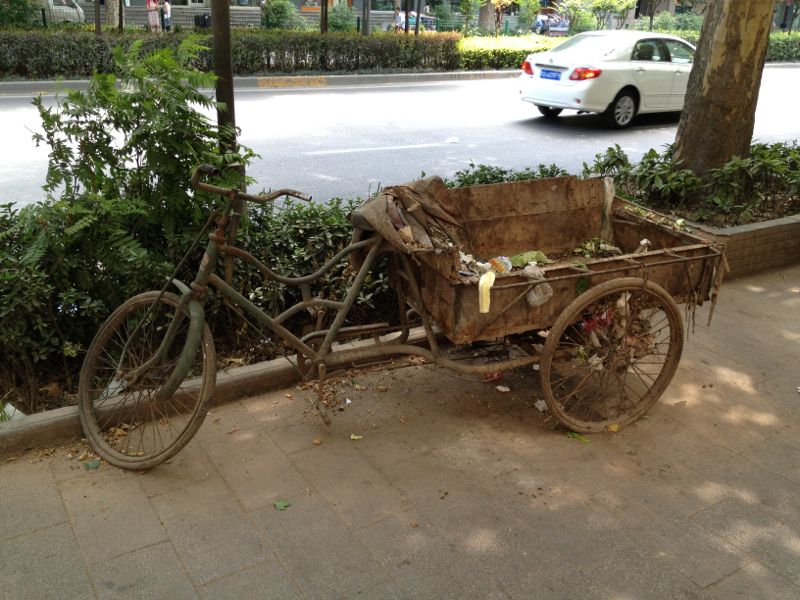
(152, 16)
(166, 15)
(399, 22)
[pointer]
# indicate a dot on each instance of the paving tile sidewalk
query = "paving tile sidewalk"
(455, 491)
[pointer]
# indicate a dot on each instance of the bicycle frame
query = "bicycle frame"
(324, 356)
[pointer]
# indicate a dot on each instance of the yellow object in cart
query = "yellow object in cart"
(485, 284)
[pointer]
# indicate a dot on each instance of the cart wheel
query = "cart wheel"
(124, 422)
(611, 354)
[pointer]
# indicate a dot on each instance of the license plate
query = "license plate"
(549, 74)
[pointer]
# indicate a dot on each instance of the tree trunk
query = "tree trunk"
(486, 16)
(112, 13)
(323, 17)
(366, 10)
(719, 111)
(97, 25)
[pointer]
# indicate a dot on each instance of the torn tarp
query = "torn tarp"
(410, 217)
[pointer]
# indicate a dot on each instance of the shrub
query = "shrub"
(446, 20)
(279, 14)
(296, 239)
(16, 13)
(663, 21)
(763, 186)
(528, 9)
(120, 212)
(688, 21)
(500, 53)
(342, 18)
(484, 174)
(76, 53)
(784, 47)
(583, 22)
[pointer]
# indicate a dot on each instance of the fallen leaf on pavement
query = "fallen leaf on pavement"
(282, 505)
(577, 436)
(317, 441)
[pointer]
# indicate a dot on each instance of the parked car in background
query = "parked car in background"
(61, 11)
(541, 24)
(617, 73)
(427, 21)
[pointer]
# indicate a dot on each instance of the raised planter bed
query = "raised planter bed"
(759, 246)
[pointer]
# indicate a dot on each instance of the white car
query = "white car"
(618, 73)
(61, 11)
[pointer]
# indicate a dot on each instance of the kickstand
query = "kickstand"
(320, 406)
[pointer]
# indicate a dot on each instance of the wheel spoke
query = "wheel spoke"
(623, 338)
(156, 425)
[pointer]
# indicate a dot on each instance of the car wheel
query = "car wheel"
(621, 111)
(549, 112)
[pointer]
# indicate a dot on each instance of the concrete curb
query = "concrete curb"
(34, 88)
(50, 426)
(53, 425)
(323, 81)
(278, 82)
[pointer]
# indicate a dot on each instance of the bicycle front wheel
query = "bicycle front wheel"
(126, 419)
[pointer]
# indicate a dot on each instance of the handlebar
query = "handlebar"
(211, 171)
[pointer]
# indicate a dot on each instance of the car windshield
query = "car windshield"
(588, 45)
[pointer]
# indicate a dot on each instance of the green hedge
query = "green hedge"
(73, 54)
(782, 47)
(495, 58)
(77, 54)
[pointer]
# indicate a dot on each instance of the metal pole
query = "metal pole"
(226, 118)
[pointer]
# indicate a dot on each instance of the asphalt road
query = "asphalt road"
(348, 141)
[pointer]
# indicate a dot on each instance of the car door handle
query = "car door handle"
(640, 70)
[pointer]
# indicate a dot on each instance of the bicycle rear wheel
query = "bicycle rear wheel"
(611, 354)
(123, 416)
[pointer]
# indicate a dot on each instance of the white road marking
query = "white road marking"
(373, 149)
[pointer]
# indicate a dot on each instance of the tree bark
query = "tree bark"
(366, 10)
(98, 30)
(323, 17)
(112, 13)
(722, 93)
(486, 16)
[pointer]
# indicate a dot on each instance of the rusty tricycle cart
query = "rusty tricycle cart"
(602, 327)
